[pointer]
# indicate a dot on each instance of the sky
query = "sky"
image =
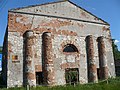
(108, 10)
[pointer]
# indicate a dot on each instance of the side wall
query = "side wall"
(15, 59)
(110, 58)
(4, 58)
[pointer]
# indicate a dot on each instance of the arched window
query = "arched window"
(70, 48)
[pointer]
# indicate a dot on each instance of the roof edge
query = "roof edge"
(59, 2)
(38, 5)
(59, 17)
(88, 12)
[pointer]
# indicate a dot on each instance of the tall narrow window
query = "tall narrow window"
(70, 48)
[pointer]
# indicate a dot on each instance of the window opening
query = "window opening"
(72, 76)
(98, 73)
(70, 48)
(39, 78)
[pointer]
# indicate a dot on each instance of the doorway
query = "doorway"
(39, 78)
(72, 76)
(98, 73)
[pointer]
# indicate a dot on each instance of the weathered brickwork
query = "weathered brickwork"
(43, 41)
(29, 72)
(92, 70)
(48, 59)
(102, 59)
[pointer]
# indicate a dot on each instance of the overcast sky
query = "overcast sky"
(108, 10)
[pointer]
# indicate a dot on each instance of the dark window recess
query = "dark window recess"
(98, 73)
(72, 76)
(39, 78)
(117, 69)
(70, 48)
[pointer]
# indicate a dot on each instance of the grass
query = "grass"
(110, 84)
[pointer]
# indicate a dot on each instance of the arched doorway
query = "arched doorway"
(71, 71)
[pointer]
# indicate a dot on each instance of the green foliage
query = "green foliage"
(71, 75)
(116, 52)
(0, 49)
(1, 81)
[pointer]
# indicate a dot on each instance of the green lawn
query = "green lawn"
(111, 84)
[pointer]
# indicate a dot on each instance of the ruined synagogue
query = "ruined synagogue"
(56, 44)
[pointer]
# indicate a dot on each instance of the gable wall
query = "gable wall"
(61, 9)
(63, 31)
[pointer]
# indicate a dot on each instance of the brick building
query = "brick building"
(44, 43)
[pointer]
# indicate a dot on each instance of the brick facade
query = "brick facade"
(37, 36)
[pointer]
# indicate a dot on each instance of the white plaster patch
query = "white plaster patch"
(70, 58)
(18, 19)
(82, 80)
(112, 64)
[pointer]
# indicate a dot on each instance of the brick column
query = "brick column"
(102, 59)
(30, 78)
(48, 68)
(92, 70)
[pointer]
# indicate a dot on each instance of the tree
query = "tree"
(116, 52)
(0, 49)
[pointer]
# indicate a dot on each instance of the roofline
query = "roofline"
(59, 2)
(38, 5)
(88, 12)
(58, 17)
